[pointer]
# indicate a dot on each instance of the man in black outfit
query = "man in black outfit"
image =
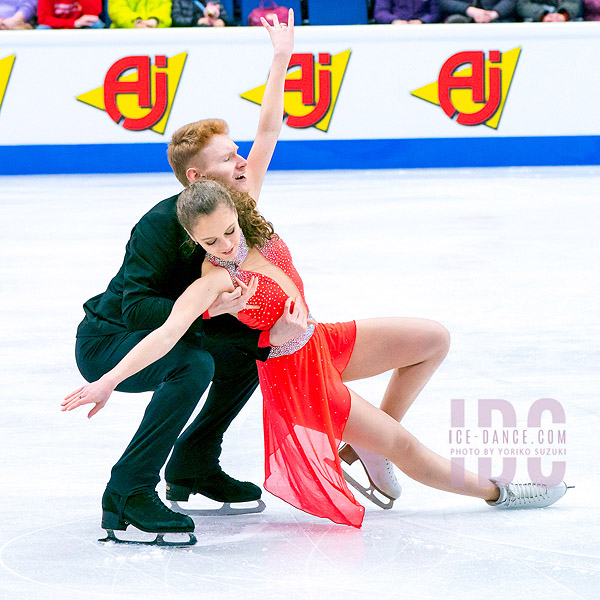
(158, 266)
(156, 270)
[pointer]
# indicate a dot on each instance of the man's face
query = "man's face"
(219, 159)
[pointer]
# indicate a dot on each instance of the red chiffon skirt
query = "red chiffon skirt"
(306, 407)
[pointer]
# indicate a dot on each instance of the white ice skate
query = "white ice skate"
(380, 472)
(527, 495)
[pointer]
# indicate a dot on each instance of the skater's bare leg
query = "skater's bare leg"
(411, 348)
(373, 429)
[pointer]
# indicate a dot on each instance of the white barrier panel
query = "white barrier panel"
(356, 97)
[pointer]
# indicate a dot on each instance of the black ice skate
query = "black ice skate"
(219, 487)
(146, 512)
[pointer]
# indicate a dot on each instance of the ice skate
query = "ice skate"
(238, 497)
(379, 471)
(145, 512)
(527, 495)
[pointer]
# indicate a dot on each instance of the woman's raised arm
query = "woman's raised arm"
(271, 112)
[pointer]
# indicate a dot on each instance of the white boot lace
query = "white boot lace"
(525, 493)
(389, 467)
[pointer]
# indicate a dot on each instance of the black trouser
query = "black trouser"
(178, 380)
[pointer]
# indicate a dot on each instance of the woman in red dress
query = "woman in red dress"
(308, 409)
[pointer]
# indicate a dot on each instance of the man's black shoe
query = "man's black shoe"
(220, 487)
(144, 511)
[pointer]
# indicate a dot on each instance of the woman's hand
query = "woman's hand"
(96, 393)
(282, 35)
(233, 302)
(293, 322)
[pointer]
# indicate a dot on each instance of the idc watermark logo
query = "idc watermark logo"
(488, 434)
(472, 86)
(311, 90)
(137, 93)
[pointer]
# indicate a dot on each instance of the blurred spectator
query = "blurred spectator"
(401, 12)
(141, 14)
(479, 11)
(69, 14)
(549, 11)
(591, 10)
(191, 13)
(16, 14)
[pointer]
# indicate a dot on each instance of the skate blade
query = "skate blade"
(376, 496)
(226, 510)
(159, 540)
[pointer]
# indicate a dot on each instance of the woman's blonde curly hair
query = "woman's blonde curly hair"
(205, 196)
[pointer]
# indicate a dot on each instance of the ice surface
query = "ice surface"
(507, 259)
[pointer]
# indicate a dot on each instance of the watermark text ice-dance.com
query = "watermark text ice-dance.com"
(489, 431)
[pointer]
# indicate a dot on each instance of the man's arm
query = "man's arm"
(151, 256)
(292, 323)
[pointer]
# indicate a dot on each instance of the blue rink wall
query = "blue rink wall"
(310, 155)
(359, 97)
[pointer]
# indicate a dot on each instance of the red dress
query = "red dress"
(305, 403)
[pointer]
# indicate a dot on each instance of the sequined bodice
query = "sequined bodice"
(269, 294)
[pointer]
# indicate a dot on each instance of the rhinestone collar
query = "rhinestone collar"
(232, 265)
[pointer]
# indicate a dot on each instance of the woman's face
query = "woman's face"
(218, 233)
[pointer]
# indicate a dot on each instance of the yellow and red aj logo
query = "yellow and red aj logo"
(472, 88)
(138, 94)
(6, 66)
(311, 89)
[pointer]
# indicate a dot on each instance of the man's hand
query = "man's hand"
(233, 302)
(293, 322)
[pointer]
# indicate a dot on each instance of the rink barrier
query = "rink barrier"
(357, 97)
(315, 155)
